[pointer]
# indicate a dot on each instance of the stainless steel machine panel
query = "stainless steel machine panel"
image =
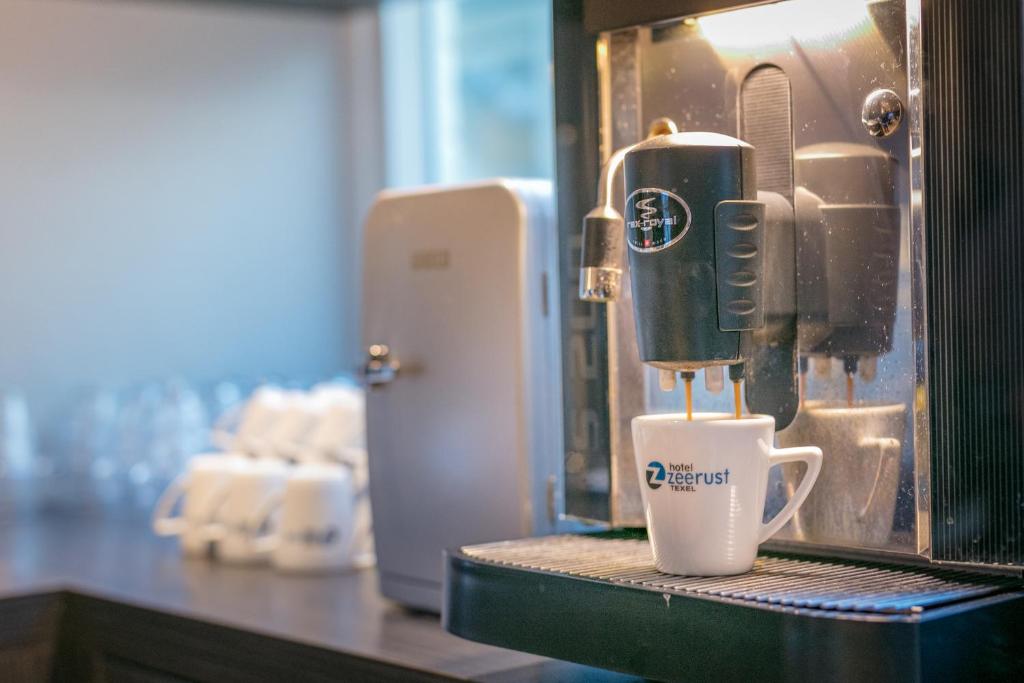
(823, 90)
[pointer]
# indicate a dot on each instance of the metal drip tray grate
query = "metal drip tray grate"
(782, 582)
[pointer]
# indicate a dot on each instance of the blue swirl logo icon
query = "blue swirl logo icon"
(655, 474)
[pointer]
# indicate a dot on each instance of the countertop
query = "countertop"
(121, 561)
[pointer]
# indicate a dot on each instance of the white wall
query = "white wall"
(174, 191)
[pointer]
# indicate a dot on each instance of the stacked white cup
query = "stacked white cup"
(291, 486)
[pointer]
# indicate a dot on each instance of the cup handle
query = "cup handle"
(214, 529)
(264, 544)
(887, 447)
(777, 456)
(163, 523)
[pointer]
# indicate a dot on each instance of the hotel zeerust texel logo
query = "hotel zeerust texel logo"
(655, 474)
(681, 477)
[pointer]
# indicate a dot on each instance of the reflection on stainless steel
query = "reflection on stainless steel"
(851, 195)
(600, 283)
(854, 499)
(848, 246)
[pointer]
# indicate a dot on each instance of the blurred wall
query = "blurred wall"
(181, 186)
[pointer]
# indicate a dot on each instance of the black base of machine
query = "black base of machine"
(597, 599)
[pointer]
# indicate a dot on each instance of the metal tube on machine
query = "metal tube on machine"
(601, 255)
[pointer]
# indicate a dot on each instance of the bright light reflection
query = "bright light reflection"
(769, 28)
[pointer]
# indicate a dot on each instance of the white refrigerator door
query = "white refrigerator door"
(444, 275)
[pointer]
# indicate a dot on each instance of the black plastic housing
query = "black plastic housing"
(675, 280)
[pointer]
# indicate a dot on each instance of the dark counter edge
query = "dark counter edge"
(644, 632)
(82, 634)
(68, 575)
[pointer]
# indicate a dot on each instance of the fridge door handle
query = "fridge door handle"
(380, 368)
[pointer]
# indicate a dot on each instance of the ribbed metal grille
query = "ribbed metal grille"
(767, 123)
(974, 242)
(779, 581)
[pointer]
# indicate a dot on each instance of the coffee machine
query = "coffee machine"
(802, 208)
(817, 202)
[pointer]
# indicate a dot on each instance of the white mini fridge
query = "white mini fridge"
(464, 409)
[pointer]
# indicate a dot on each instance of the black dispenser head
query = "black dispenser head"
(695, 236)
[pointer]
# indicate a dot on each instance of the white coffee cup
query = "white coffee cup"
(342, 423)
(356, 460)
(287, 437)
(202, 489)
(314, 520)
(258, 418)
(237, 525)
(704, 483)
